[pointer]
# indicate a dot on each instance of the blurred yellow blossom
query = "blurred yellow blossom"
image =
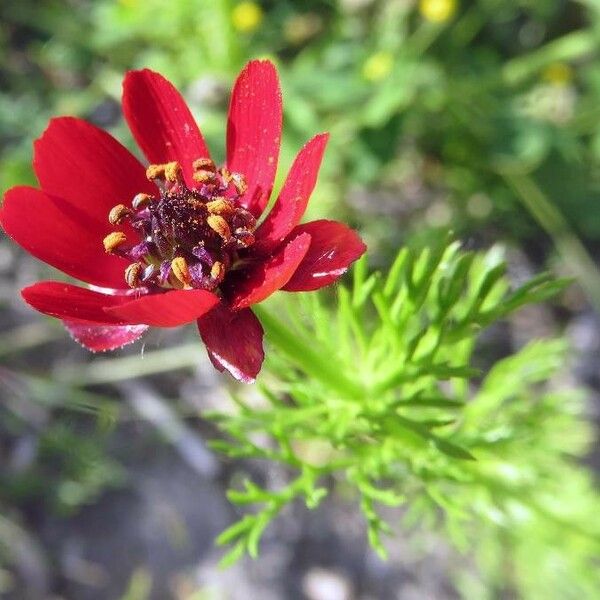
(558, 73)
(299, 28)
(246, 16)
(378, 66)
(437, 11)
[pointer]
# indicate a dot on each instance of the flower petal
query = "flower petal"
(259, 281)
(161, 121)
(70, 302)
(39, 224)
(254, 131)
(169, 309)
(294, 195)
(333, 248)
(100, 338)
(233, 341)
(88, 168)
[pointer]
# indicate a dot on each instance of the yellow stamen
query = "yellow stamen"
(220, 206)
(217, 271)
(141, 200)
(203, 164)
(225, 174)
(118, 214)
(132, 274)
(180, 270)
(220, 225)
(113, 240)
(203, 176)
(173, 172)
(155, 172)
(240, 183)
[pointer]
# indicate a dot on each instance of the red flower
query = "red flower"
(178, 241)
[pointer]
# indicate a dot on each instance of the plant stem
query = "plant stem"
(572, 251)
(122, 368)
(568, 47)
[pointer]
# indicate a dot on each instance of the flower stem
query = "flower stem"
(571, 46)
(305, 356)
(572, 251)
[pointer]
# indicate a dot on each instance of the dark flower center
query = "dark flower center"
(188, 238)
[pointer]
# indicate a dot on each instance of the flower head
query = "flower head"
(246, 16)
(177, 240)
(558, 73)
(378, 66)
(437, 11)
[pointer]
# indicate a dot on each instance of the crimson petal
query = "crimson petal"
(88, 168)
(39, 224)
(254, 131)
(294, 195)
(161, 121)
(100, 338)
(333, 248)
(233, 341)
(70, 302)
(166, 310)
(259, 281)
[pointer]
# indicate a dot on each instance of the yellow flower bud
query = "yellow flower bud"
(378, 66)
(558, 73)
(437, 11)
(246, 16)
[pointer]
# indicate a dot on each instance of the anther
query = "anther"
(244, 238)
(149, 272)
(155, 172)
(180, 270)
(113, 240)
(219, 225)
(217, 272)
(132, 274)
(173, 172)
(226, 175)
(204, 176)
(188, 238)
(203, 164)
(239, 182)
(141, 200)
(244, 219)
(220, 206)
(118, 214)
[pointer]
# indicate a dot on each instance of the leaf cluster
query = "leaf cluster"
(377, 392)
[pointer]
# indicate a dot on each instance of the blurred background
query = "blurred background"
(479, 116)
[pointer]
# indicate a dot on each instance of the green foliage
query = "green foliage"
(71, 470)
(378, 391)
(446, 105)
(70, 466)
